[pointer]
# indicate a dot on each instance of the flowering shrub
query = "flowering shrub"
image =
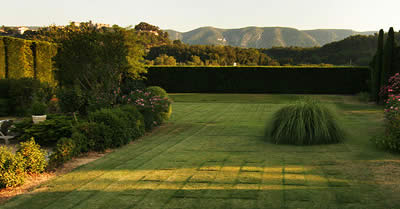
(152, 107)
(391, 139)
(393, 87)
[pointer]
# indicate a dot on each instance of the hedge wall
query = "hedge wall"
(2, 59)
(19, 58)
(329, 80)
(44, 66)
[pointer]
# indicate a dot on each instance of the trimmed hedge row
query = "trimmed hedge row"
(2, 59)
(321, 80)
(21, 58)
(45, 51)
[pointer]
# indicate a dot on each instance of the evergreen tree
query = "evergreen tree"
(388, 58)
(376, 68)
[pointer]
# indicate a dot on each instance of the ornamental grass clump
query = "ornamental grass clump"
(306, 122)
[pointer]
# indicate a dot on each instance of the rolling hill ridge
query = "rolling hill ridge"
(262, 37)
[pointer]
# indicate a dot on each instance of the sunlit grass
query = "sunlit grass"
(212, 154)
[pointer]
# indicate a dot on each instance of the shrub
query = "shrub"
(135, 121)
(157, 91)
(391, 138)
(392, 88)
(47, 132)
(12, 171)
(64, 151)
(160, 92)
(72, 100)
(306, 122)
(92, 136)
(129, 84)
(114, 125)
(21, 93)
(34, 157)
(38, 108)
(153, 108)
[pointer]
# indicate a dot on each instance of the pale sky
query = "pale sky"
(185, 15)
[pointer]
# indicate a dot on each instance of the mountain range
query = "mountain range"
(263, 37)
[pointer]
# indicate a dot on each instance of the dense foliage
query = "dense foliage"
(355, 50)
(154, 108)
(391, 138)
(95, 59)
(306, 122)
(209, 55)
(328, 80)
(19, 94)
(12, 168)
(63, 152)
(384, 64)
(21, 58)
(47, 132)
(33, 156)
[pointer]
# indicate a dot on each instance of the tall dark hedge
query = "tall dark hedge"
(20, 58)
(331, 80)
(376, 68)
(2, 59)
(388, 58)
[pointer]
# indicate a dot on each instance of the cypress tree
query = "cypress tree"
(376, 68)
(388, 58)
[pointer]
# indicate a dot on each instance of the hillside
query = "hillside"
(266, 37)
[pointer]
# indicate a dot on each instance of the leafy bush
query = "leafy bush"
(153, 108)
(129, 84)
(21, 93)
(64, 151)
(134, 120)
(34, 157)
(115, 125)
(38, 108)
(157, 91)
(92, 136)
(306, 122)
(47, 132)
(392, 88)
(12, 172)
(72, 100)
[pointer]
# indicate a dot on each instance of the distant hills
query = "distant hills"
(263, 37)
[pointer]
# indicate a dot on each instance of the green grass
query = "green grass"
(212, 154)
(306, 122)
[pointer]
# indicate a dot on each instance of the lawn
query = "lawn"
(213, 154)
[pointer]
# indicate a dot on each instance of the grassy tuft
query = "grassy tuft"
(305, 122)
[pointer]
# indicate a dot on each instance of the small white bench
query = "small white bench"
(6, 138)
(3, 135)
